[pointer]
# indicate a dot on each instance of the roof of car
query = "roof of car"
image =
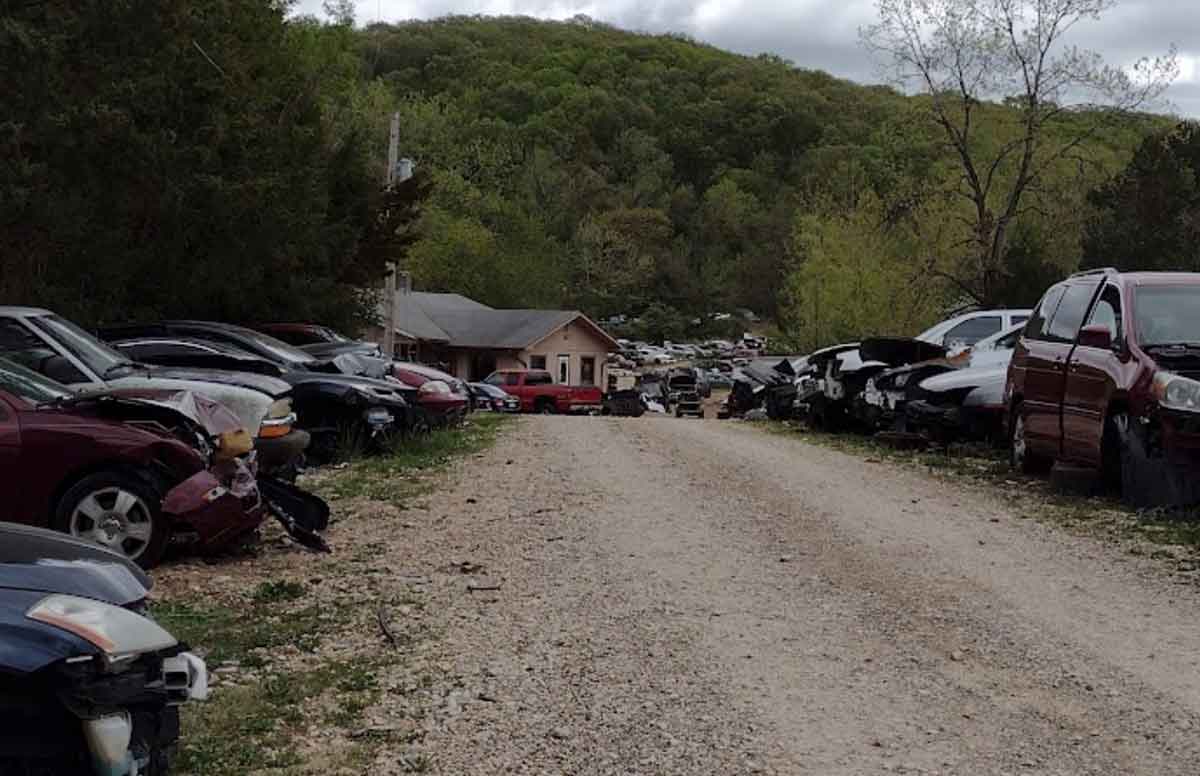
(219, 347)
(15, 311)
(1161, 278)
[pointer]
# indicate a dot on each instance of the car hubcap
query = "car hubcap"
(116, 518)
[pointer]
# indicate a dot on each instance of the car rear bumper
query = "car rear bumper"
(281, 452)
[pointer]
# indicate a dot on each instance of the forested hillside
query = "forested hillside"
(577, 164)
(224, 161)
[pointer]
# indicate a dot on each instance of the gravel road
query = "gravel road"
(701, 597)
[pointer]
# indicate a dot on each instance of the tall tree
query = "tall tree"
(961, 53)
(1148, 216)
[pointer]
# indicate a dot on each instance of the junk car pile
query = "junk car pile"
(178, 435)
(1101, 378)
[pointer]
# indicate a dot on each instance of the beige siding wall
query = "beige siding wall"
(576, 341)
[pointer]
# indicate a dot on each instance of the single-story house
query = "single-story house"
(471, 340)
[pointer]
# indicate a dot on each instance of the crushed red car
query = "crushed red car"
(133, 470)
(442, 395)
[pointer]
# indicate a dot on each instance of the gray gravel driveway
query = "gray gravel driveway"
(701, 597)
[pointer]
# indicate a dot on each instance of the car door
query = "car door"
(1090, 384)
(1034, 373)
(1045, 418)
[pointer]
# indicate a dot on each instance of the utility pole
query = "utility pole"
(389, 336)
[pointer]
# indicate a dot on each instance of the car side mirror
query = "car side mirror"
(1096, 337)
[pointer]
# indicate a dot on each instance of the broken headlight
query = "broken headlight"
(119, 632)
(1174, 392)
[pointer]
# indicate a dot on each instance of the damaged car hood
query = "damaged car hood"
(965, 378)
(212, 416)
(896, 351)
(272, 386)
(42, 561)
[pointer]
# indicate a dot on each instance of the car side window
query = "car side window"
(27, 349)
(972, 330)
(541, 378)
(1107, 312)
(1069, 318)
(1038, 325)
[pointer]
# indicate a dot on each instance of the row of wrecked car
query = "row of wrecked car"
(119, 447)
(1099, 383)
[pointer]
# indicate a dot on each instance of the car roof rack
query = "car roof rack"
(1097, 271)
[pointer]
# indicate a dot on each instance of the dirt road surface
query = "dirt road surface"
(701, 597)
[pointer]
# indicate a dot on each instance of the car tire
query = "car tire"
(545, 407)
(1020, 458)
(122, 497)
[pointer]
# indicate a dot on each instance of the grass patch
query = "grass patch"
(253, 726)
(395, 476)
(274, 591)
(226, 634)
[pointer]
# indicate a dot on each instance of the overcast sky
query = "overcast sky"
(823, 34)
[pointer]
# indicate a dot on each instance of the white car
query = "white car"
(963, 331)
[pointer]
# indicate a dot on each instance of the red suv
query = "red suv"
(1107, 375)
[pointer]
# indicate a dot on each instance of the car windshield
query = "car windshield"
(29, 385)
(98, 356)
(1168, 315)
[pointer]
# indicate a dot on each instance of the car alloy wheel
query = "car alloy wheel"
(115, 518)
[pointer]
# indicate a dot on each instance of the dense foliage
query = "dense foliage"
(162, 157)
(577, 164)
(1148, 217)
(223, 160)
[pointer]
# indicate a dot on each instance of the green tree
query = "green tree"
(961, 55)
(1148, 216)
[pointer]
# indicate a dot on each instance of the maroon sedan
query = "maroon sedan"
(443, 396)
(127, 469)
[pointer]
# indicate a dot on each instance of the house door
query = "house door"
(564, 370)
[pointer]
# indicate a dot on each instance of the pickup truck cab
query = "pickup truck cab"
(1106, 375)
(539, 393)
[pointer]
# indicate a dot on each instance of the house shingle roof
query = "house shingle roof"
(462, 322)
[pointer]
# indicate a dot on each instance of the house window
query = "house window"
(587, 370)
(564, 370)
(537, 362)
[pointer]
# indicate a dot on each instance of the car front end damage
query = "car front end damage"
(89, 685)
(966, 405)
(210, 503)
(1159, 443)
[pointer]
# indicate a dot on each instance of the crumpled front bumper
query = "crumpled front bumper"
(110, 737)
(217, 505)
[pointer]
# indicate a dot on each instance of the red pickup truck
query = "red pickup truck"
(539, 393)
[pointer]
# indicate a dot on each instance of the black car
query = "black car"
(332, 404)
(490, 397)
(88, 683)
